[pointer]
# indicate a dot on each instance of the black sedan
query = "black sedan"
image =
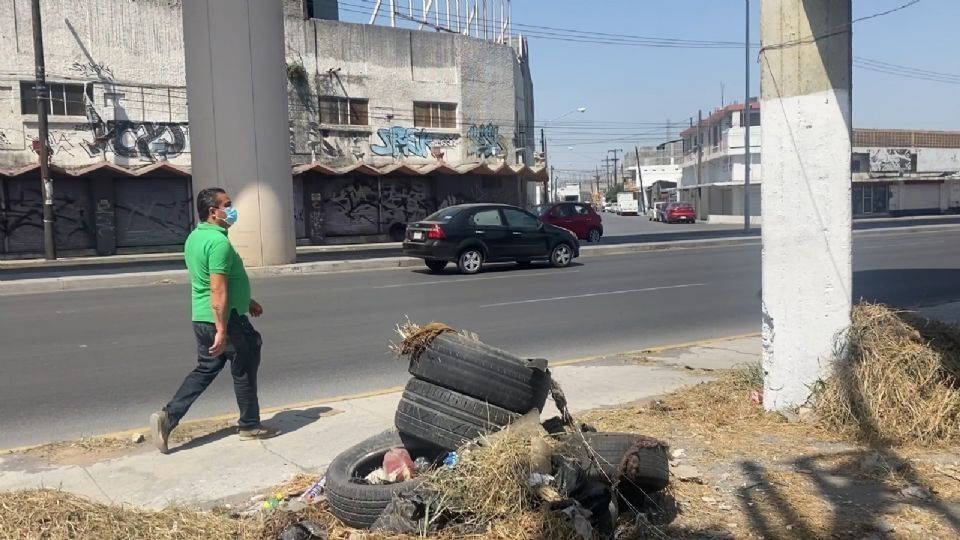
(470, 235)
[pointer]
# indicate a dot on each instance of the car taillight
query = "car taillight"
(436, 233)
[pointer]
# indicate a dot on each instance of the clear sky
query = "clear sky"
(631, 91)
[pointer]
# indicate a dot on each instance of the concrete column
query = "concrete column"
(805, 66)
(239, 135)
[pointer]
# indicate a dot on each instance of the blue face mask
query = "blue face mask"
(230, 215)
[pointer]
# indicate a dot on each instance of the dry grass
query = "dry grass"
(415, 338)
(899, 381)
(489, 482)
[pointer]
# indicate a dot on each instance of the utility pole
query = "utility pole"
(643, 194)
(43, 150)
(597, 178)
(553, 180)
(747, 154)
(606, 163)
(615, 160)
(699, 163)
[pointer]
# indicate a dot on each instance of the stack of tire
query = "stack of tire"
(461, 389)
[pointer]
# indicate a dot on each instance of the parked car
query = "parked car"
(679, 211)
(471, 235)
(608, 206)
(579, 218)
(658, 211)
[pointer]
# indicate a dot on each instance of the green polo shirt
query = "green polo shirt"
(208, 251)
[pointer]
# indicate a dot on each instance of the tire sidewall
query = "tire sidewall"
(553, 255)
(460, 261)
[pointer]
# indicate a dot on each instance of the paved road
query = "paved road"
(96, 361)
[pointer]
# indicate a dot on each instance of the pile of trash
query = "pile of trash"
(470, 451)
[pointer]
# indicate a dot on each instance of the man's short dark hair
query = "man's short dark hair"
(207, 199)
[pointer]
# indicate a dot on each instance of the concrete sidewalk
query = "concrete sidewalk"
(218, 467)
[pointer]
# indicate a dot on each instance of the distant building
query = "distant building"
(386, 125)
(905, 172)
(894, 172)
(659, 173)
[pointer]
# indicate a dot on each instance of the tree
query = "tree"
(611, 194)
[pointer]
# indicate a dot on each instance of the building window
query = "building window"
(871, 199)
(65, 99)
(344, 111)
(434, 115)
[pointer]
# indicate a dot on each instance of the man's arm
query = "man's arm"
(219, 304)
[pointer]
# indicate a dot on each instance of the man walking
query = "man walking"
(220, 291)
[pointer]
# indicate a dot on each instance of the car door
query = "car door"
(582, 220)
(528, 240)
(562, 216)
(487, 226)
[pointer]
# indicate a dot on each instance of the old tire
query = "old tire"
(482, 372)
(470, 261)
(359, 505)
(608, 449)
(435, 265)
(562, 255)
(431, 414)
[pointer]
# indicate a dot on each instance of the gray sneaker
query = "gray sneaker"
(258, 433)
(160, 430)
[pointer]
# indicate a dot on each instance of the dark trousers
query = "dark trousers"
(243, 353)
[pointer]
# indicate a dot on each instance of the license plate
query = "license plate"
(418, 235)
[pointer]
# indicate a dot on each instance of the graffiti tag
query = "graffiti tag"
(149, 141)
(399, 141)
(93, 69)
(485, 139)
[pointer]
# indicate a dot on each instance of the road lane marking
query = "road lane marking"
(461, 280)
(902, 244)
(591, 295)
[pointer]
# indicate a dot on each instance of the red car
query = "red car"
(679, 211)
(579, 218)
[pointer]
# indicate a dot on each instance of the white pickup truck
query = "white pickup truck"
(628, 204)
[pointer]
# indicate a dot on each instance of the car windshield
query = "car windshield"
(444, 215)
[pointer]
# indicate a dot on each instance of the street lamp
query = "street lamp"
(543, 142)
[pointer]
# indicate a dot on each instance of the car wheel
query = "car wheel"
(436, 265)
(446, 419)
(359, 504)
(470, 261)
(594, 236)
(397, 232)
(562, 255)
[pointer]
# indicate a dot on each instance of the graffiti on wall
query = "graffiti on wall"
(353, 206)
(405, 201)
(23, 226)
(90, 70)
(894, 160)
(147, 141)
(398, 141)
(5, 140)
(485, 140)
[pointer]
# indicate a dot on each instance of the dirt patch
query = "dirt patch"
(81, 452)
(752, 473)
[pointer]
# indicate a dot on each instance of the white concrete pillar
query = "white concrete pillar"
(805, 66)
(239, 127)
